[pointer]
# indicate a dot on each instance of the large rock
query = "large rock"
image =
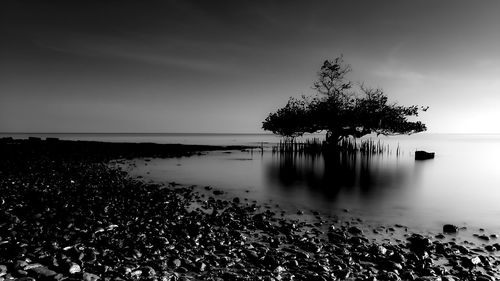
(354, 230)
(419, 243)
(423, 155)
(450, 228)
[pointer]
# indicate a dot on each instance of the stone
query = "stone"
(90, 277)
(354, 230)
(147, 271)
(31, 266)
(389, 276)
(202, 267)
(424, 155)
(380, 250)
(74, 268)
(490, 248)
(41, 272)
(419, 243)
(176, 263)
(450, 228)
(484, 237)
(471, 262)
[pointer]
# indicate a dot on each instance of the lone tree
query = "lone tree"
(340, 111)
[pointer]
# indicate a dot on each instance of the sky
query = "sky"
(223, 66)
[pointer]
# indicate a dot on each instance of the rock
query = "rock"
(408, 275)
(31, 266)
(490, 248)
(20, 264)
(90, 277)
(484, 237)
(176, 263)
(202, 267)
(380, 250)
(423, 155)
(74, 268)
(419, 243)
(147, 271)
(41, 272)
(354, 230)
(136, 274)
(450, 228)
(471, 262)
(389, 276)
(278, 270)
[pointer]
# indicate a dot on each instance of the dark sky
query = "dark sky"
(222, 66)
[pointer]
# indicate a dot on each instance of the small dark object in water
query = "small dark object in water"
(423, 155)
(450, 228)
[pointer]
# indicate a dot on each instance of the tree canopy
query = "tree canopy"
(341, 110)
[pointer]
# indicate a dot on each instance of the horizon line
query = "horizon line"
(135, 133)
(215, 133)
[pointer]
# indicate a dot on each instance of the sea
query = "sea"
(460, 186)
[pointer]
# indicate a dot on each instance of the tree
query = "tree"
(341, 112)
(290, 121)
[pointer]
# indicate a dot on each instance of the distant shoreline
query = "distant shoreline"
(107, 150)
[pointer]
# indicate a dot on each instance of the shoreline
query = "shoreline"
(67, 215)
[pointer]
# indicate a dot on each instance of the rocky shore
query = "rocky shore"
(66, 215)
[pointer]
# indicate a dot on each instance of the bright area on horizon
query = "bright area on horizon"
(222, 66)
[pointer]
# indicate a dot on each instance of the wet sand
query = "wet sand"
(66, 214)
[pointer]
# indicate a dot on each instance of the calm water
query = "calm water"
(461, 185)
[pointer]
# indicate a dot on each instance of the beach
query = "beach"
(67, 214)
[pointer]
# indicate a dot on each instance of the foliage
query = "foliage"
(290, 121)
(341, 112)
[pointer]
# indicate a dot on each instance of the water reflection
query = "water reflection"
(335, 173)
(461, 185)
